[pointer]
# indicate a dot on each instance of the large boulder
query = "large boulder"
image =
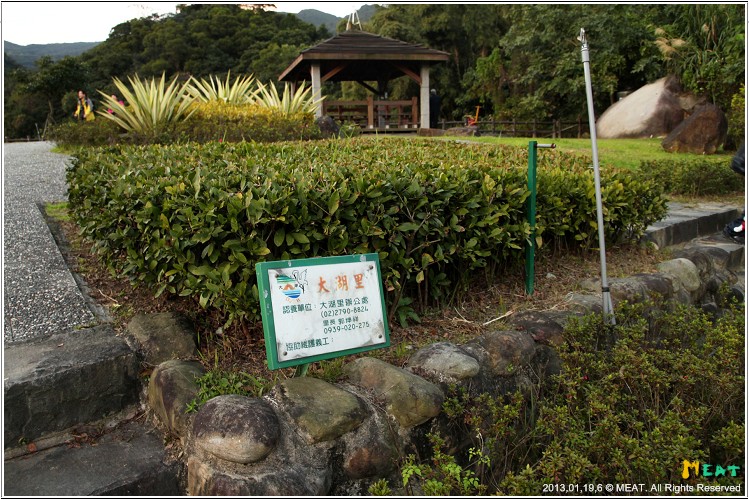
(652, 111)
(328, 126)
(703, 132)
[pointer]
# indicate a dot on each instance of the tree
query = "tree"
(54, 79)
(465, 32)
(704, 45)
(536, 71)
(270, 61)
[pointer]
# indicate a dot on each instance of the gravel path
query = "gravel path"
(41, 296)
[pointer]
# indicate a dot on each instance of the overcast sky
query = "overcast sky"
(26, 23)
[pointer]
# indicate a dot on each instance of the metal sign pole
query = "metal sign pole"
(530, 249)
(608, 308)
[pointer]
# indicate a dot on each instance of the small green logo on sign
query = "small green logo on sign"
(321, 308)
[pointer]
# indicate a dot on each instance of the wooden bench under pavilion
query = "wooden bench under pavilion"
(363, 57)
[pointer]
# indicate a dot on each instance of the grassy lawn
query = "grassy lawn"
(627, 153)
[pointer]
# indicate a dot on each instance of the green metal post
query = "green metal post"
(530, 249)
(301, 370)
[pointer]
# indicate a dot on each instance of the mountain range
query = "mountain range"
(27, 55)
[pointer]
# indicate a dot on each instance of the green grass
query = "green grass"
(58, 211)
(626, 153)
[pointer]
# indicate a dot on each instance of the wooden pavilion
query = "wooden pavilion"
(365, 57)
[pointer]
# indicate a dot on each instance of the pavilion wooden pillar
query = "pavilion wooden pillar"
(424, 96)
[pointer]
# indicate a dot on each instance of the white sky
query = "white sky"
(26, 23)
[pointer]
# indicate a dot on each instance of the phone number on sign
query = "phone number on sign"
(346, 328)
(331, 313)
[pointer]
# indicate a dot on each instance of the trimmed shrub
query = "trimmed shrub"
(194, 219)
(93, 133)
(703, 176)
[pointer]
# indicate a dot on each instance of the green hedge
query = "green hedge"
(193, 220)
(702, 176)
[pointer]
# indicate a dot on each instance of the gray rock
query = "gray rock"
(684, 271)
(445, 361)
(471, 131)
(205, 478)
(171, 388)
(320, 411)
(585, 303)
(407, 397)
(544, 328)
(163, 336)
(328, 126)
(236, 428)
(370, 451)
(654, 110)
(503, 352)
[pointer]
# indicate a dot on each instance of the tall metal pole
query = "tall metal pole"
(608, 308)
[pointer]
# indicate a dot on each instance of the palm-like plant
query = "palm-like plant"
(300, 102)
(214, 89)
(151, 106)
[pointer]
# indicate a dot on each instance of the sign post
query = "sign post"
(321, 308)
(530, 249)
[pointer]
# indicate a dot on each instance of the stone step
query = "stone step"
(684, 223)
(57, 382)
(724, 251)
(129, 460)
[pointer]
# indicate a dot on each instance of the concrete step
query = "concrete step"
(54, 383)
(127, 460)
(687, 222)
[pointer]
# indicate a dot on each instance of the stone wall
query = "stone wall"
(310, 437)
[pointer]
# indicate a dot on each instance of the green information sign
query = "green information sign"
(321, 308)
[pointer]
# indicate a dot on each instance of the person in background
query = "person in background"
(85, 108)
(115, 99)
(735, 229)
(434, 109)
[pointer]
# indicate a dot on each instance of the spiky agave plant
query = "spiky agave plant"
(213, 89)
(151, 105)
(299, 102)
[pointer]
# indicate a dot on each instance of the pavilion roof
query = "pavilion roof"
(361, 56)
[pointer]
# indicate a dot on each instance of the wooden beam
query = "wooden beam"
(368, 87)
(330, 74)
(413, 76)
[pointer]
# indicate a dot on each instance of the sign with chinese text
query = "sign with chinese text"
(321, 308)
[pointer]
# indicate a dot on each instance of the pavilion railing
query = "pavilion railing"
(375, 114)
(518, 128)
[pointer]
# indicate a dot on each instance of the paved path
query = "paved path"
(40, 295)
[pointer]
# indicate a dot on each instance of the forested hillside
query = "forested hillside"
(516, 61)
(27, 55)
